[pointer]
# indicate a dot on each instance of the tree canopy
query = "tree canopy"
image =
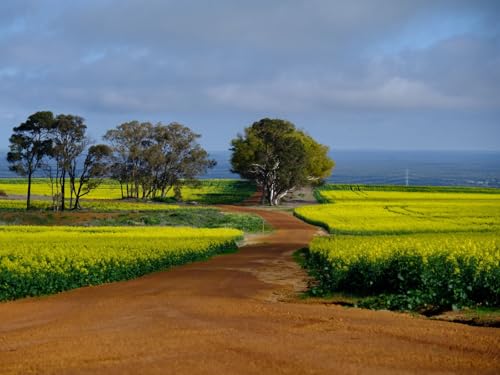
(279, 158)
(150, 159)
(56, 145)
(30, 143)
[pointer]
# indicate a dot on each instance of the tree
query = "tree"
(29, 144)
(95, 167)
(150, 160)
(129, 142)
(279, 158)
(179, 156)
(68, 143)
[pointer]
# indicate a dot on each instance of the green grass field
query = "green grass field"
(419, 248)
(193, 217)
(197, 217)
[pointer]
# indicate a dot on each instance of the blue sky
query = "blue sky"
(389, 74)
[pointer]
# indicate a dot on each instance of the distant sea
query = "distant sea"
(441, 168)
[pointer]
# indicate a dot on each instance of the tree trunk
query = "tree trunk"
(271, 194)
(71, 189)
(63, 182)
(263, 196)
(77, 202)
(78, 195)
(77, 198)
(55, 196)
(28, 197)
(282, 195)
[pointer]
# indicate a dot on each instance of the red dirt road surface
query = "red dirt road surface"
(230, 315)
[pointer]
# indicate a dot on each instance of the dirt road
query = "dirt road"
(229, 315)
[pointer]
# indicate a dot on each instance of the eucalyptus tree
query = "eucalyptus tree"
(69, 141)
(279, 158)
(30, 144)
(129, 142)
(180, 158)
(96, 166)
(150, 160)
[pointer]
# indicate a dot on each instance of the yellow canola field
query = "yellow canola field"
(412, 249)
(426, 269)
(482, 249)
(405, 196)
(37, 260)
(206, 191)
(381, 212)
(98, 205)
(41, 186)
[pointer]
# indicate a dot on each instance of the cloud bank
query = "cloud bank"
(337, 68)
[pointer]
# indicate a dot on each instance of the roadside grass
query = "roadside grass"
(131, 212)
(194, 217)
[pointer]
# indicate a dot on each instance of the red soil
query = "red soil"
(230, 315)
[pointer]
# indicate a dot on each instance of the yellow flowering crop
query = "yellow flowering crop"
(206, 191)
(443, 269)
(430, 247)
(37, 260)
(97, 205)
(389, 212)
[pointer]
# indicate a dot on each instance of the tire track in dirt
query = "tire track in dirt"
(228, 316)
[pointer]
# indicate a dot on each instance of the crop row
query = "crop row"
(421, 270)
(44, 260)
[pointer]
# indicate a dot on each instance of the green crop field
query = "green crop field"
(214, 191)
(37, 260)
(417, 248)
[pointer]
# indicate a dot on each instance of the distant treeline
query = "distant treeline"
(148, 160)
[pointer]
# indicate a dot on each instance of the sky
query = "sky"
(387, 74)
